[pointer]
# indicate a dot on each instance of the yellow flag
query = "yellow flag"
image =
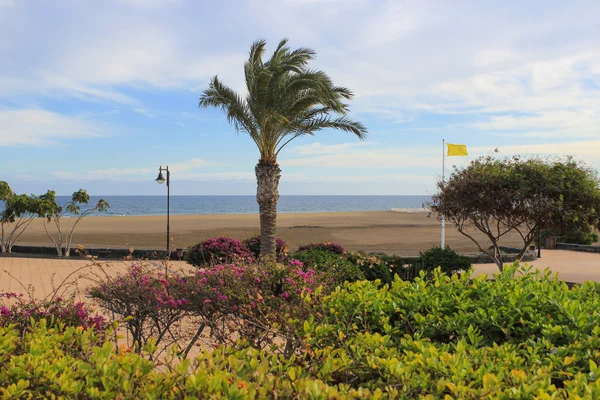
(457, 150)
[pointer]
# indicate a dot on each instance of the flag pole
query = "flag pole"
(443, 238)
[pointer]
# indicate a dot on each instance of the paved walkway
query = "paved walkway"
(41, 272)
(571, 266)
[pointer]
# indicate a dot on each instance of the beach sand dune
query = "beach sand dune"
(382, 231)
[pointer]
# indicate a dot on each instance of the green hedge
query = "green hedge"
(446, 338)
(467, 339)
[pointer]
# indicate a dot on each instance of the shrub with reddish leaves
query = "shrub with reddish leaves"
(19, 310)
(253, 244)
(325, 246)
(217, 250)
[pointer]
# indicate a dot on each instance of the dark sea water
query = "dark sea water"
(181, 205)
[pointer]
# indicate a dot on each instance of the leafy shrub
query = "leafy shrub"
(526, 336)
(325, 246)
(462, 338)
(217, 250)
(371, 266)
(447, 259)
(586, 238)
(77, 364)
(393, 261)
(335, 266)
(253, 244)
(21, 311)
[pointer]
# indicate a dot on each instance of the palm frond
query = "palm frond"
(285, 99)
(220, 96)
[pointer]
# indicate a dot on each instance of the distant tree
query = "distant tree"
(18, 213)
(285, 100)
(501, 196)
(71, 211)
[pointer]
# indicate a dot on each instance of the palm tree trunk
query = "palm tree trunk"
(267, 195)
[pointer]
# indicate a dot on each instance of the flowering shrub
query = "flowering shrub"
(228, 300)
(148, 300)
(325, 246)
(19, 310)
(253, 244)
(217, 250)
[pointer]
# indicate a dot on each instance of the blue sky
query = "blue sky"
(98, 94)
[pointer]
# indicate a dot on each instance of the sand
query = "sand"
(381, 231)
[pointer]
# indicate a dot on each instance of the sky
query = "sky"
(99, 94)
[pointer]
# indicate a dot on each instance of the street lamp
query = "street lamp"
(161, 179)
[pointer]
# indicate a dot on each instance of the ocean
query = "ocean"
(182, 205)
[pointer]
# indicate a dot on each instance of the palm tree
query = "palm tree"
(285, 100)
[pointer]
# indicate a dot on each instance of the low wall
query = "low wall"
(119, 254)
(105, 254)
(577, 247)
(481, 258)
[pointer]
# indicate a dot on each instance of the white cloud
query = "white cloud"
(149, 3)
(36, 127)
(349, 156)
(319, 148)
(191, 164)
(117, 172)
(588, 150)
(136, 173)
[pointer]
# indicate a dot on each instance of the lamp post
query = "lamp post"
(161, 179)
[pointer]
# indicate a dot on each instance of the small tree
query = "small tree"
(501, 196)
(73, 212)
(19, 211)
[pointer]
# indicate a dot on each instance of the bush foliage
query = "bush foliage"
(586, 238)
(449, 261)
(334, 265)
(253, 244)
(523, 335)
(371, 266)
(325, 246)
(238, 300)
(21, 311)
(217, 250)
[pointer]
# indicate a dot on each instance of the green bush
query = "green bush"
(586, 238)
(72, 363)
(512, 337)
(336, 266)
(447, 259)
(522, 335)
(394, 262)
(371, 266)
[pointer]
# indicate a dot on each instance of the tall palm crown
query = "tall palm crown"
(285, 100)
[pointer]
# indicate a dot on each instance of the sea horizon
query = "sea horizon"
(147, 205)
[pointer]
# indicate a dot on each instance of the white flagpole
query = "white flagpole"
(443, 239)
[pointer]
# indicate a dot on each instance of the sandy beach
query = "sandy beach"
(382, 231)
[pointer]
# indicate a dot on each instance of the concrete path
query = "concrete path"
(571, 266)
(40, 272)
